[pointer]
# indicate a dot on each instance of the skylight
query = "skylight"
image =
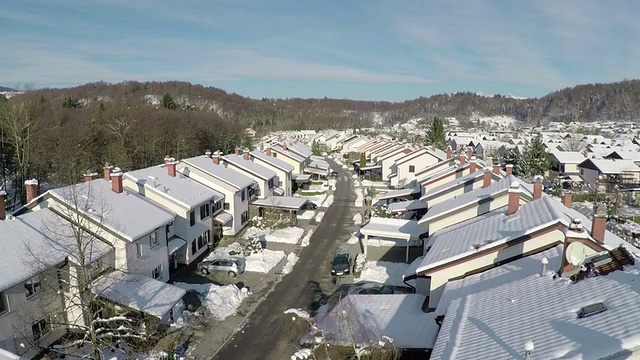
(592, 309)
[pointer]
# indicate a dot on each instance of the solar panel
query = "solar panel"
(592, 309)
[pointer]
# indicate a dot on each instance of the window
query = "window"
(4, 303)
(205, 211)
(153, 239)
(40, 328)
(192, 218)
(226, 206)
(243, 194)
(95, 267)
(157, 273)
(412, 168)
(194, 247)
(217, 205)
(201, 242)
(138, 250)
(33, 286)
(244, 217)
(270, 183)
(279, 183)
(274, 154)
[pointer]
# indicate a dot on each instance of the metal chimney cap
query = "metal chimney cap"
(544, 260)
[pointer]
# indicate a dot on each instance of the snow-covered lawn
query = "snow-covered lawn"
(292, 259)
(357, 219)
(289, 235)
(332, 183)
(359, 198)
(354, 239)
(263, 261)
(384, 272)
(386, 242)
(319, 216)
(305, 214)
(356, 183)
(219, 301)
(328, 201)
(354, 176)
(306, 239)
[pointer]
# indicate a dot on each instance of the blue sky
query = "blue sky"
(369, 50)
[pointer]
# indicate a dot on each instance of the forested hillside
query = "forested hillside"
(57, 134)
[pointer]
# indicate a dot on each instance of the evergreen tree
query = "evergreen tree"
(435, 134)
(247, 143)
(363, 160)
(317, 148)
(534, 159)
(167, 102)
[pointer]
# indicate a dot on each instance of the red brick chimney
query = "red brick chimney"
(433, 148)
(486, 178)
(246, 155)
(574, 233)
(514, 198)
(473, 165)
(3, 211)
(171, 167)
(31, 189)
(462, 159)
(90, 176)
(509, 169)
(268, 151)
(585, 153)
(237, 151)
(448, 152)
(116, 180)
(598, 226)
(537, 187)
(208, 154)
(496, 169)
(567, 199)
(216, 157)
(469, 152)
(107, 169)
(167, 158)
(284, 146)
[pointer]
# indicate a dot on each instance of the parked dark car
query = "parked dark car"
(334, 174)
(232, 266)
(309, 205)
(341, 264)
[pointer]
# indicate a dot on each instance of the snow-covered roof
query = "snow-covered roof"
(250, 166)
(320, 164)
(231, 177)
(398, 193)
(611, 166)
(369, 318)
(474, 196)
(300, 177)
(179, 188)
(407, 205)
(285, 202)
(300, 149)
(469, 178)
(26, 251)
(223, 217)
(125, 213)
(278, 163)
(393, 228)
(280, 150)
(313, 170)
(412, 156)
(175, 243)
(138, 292)
(494, 313)
(568, 157)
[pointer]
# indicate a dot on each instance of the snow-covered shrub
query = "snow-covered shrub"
(381, 211)
(361, 260)
(257, 222)
(252, 246)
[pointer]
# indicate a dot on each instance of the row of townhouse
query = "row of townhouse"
(130, 229)
(506, 272)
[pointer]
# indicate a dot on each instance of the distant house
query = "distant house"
(250, 133)
(609, 173)
(564, 163)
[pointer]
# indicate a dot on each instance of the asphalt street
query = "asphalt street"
(266, 334)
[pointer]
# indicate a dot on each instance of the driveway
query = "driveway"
(264, 334)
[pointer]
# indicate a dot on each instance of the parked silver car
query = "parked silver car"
(232, 266)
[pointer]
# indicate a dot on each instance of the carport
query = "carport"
(285, 203)
(397, 229)
(408, 194)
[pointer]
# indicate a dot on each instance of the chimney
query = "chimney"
(544, 262)
(32, 189)
(462, 159)
(116, 180)
(3, 211)
(566, 199)
(171, 167)
(90, 176)
(284, 146)
(166, 159)
(537, 187)
(246, 155)
(528, 350)
(433, 148)
(269, 151)
(449, 152)
(261, 146)
(514, 198)
(585, 153)
(216, 157)
(473, 166)
(598, 226)
(237, 151)
(574, 233)
(496, 169)
(107, 169)
(486, 178)
(509, 169)
(469, 152)
(208, 154)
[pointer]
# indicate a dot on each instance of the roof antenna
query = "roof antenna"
(544, 262)
(528, 350)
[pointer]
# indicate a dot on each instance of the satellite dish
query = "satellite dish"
(576, 253)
